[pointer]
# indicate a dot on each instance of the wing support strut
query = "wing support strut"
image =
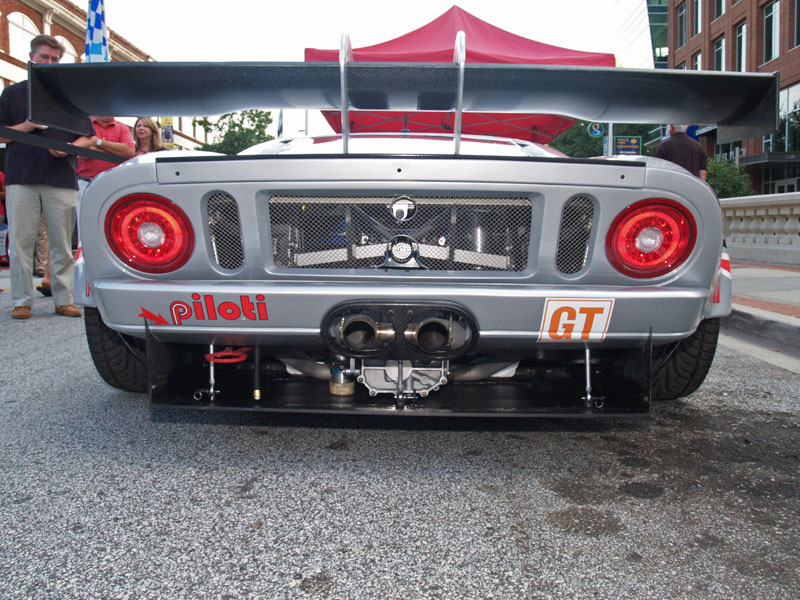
(345, 57)
(460, 58)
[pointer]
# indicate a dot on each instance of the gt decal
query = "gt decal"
(208, 308)
(568, 320)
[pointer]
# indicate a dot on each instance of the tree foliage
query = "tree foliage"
(728, 180)
(577, 142)
(237, 131)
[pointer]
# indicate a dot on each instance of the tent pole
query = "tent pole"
(460, 58)
(345, 57)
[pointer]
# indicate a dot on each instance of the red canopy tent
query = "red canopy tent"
(485, 43)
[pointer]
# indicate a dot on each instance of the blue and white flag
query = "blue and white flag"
(96, 32)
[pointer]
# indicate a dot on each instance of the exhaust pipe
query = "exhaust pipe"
(399, 330)
(435, 335)
(360, 333)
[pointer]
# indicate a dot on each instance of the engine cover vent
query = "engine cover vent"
(400, 231)
(574, 235)
(225, 231)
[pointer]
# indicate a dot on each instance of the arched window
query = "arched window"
(21, 30)
(70, 56)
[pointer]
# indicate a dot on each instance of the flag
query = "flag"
(280, 124)
(96, 32)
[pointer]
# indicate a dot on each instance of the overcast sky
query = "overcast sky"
(264, 30)
(267, 30)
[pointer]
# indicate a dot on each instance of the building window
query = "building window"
(797, 22)
(767, 144)
(697, 61)
(719, 54)
(771, 31)
(70, 56)
(681, 25)
(681, 66)
(719, 8)
(741, 47)
(787, 137)
(658, 11)
(21, 31)
(697, 16)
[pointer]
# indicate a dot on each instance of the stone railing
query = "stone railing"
(763, 229)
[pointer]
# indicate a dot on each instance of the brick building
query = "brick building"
(22, 20)
(747, 35)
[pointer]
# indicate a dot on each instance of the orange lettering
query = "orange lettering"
(558, 331)
(590, 312)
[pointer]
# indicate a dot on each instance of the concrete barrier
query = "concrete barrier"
(763, 229)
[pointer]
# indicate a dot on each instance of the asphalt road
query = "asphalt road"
(99, 498)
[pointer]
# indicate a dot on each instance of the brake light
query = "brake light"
(149, 233)
(651, 238)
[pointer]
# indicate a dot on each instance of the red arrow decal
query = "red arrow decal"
(157, 319)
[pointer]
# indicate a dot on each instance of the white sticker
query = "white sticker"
(569, 320)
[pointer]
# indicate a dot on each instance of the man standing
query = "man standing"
(110, 136)
(682, 150)
(39, 182)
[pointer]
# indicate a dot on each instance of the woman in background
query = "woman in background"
(147, 136)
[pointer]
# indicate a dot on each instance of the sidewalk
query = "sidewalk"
(766, 305)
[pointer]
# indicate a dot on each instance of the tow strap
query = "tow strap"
(48, 144)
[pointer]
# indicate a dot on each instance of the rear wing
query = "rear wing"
(742, 105)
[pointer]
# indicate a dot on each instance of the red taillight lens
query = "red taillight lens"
(149, 233)
(651, 238)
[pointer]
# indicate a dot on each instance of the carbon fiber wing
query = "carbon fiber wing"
(741, 104)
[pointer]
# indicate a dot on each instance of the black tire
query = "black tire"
(120, 359)
(680, 368)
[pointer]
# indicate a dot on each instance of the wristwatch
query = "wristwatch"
(99, 142)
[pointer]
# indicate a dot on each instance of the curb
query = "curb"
(763, 331)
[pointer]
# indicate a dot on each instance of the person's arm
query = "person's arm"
(81, 142)
(116, 148)
(25, 127)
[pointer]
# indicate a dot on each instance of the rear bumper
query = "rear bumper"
(289, 314)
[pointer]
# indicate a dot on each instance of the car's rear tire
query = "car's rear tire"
(120, 359)
(680, 368)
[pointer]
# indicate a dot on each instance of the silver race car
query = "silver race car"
(419, 274)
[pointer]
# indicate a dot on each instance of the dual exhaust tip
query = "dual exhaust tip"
(432, 333)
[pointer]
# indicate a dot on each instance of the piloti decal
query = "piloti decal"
(568, 320)
(208, 308)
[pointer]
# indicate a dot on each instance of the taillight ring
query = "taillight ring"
(651, 238)
(149, 233)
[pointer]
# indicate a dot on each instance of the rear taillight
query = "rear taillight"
(651, 238)
(149, 233)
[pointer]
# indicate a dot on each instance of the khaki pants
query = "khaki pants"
(41, 254)
(27, 204)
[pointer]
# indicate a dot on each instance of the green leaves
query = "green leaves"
(728, 180)
(237, 131)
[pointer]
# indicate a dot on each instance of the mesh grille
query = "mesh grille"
(573, 237)
(225, 230)
(441, 233)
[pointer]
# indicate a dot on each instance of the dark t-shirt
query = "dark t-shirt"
(682, 150)
(29, 165)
